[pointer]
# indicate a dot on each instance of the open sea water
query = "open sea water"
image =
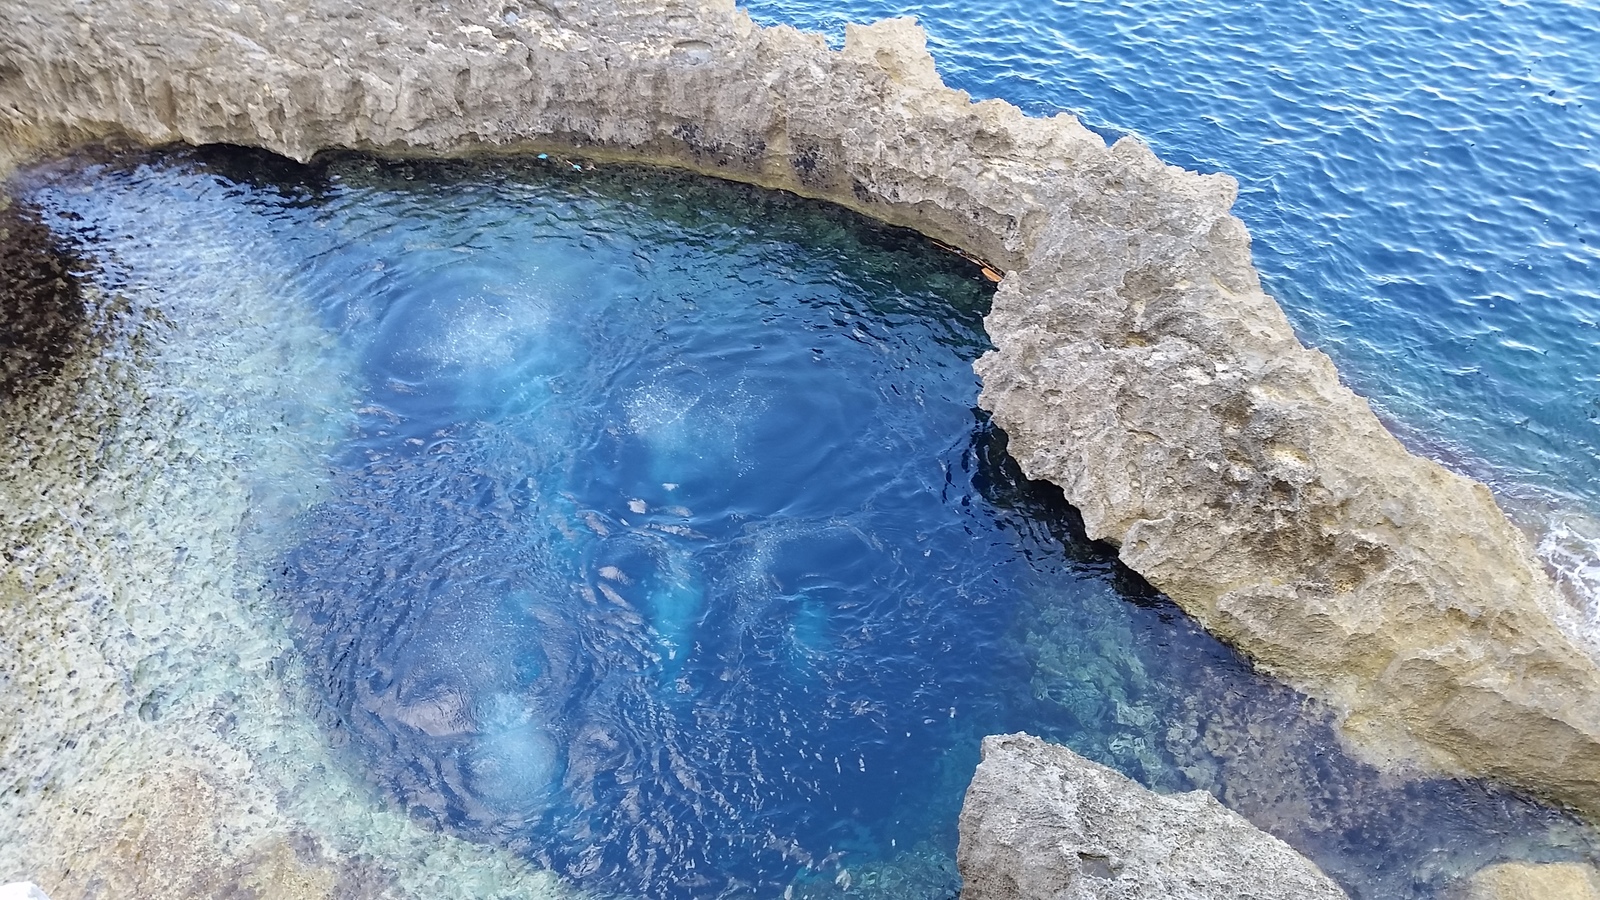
(1421, 180)
(662, 544)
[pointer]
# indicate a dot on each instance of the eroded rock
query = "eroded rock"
(1043, 822)
(1137, 362)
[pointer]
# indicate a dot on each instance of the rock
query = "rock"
(1137, 362)
(1043, 822)
(1535, 881)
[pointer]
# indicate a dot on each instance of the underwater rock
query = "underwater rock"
(1138, 363)
(1040, 821)
(41, 309)
(1532, 881)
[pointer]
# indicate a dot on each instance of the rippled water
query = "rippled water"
(1421, 180)
(666, 548)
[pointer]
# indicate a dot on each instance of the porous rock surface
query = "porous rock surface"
(1137, 362)
(1042, 822)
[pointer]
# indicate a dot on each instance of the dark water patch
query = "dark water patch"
(42, 315)
(669, 550)
(262, 170)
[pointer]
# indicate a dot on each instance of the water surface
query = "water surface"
(664, 546)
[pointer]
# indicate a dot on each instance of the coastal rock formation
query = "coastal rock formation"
(1043, 822)
(1137, 362)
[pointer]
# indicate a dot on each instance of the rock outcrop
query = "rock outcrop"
(1137, 362)
(1043, 822)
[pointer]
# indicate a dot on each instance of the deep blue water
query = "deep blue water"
(668, 548)
(1421, 180)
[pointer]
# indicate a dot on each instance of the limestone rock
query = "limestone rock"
(1043, 822)
(1137, 363)
(1533, 881)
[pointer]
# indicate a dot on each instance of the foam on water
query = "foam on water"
(1571, 546)
(639, 526)
(1419, 180)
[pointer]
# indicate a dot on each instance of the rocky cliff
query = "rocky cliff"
(1138, 364)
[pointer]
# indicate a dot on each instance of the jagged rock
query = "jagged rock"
(1043, 822)
(1534, 881)
(1137, 362)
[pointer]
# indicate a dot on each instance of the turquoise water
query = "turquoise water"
(1421, 180)
(667, 548)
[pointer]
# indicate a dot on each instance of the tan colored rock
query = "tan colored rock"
(1137, 362)
(1041, 822)
(1534, 881)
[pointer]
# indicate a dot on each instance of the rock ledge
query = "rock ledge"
(1043, 822)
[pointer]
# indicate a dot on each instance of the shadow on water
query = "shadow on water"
(669, 551)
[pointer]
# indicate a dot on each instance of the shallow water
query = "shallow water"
(659, 539)
(155, 735)
(1421, 181)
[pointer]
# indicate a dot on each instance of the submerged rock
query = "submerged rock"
(1040, 821)
(1138, 363)
(1531, 881)
(41, 309)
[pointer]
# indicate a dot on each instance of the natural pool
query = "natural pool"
(644, 525)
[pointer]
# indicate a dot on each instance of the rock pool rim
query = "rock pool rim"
(1138, 364)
